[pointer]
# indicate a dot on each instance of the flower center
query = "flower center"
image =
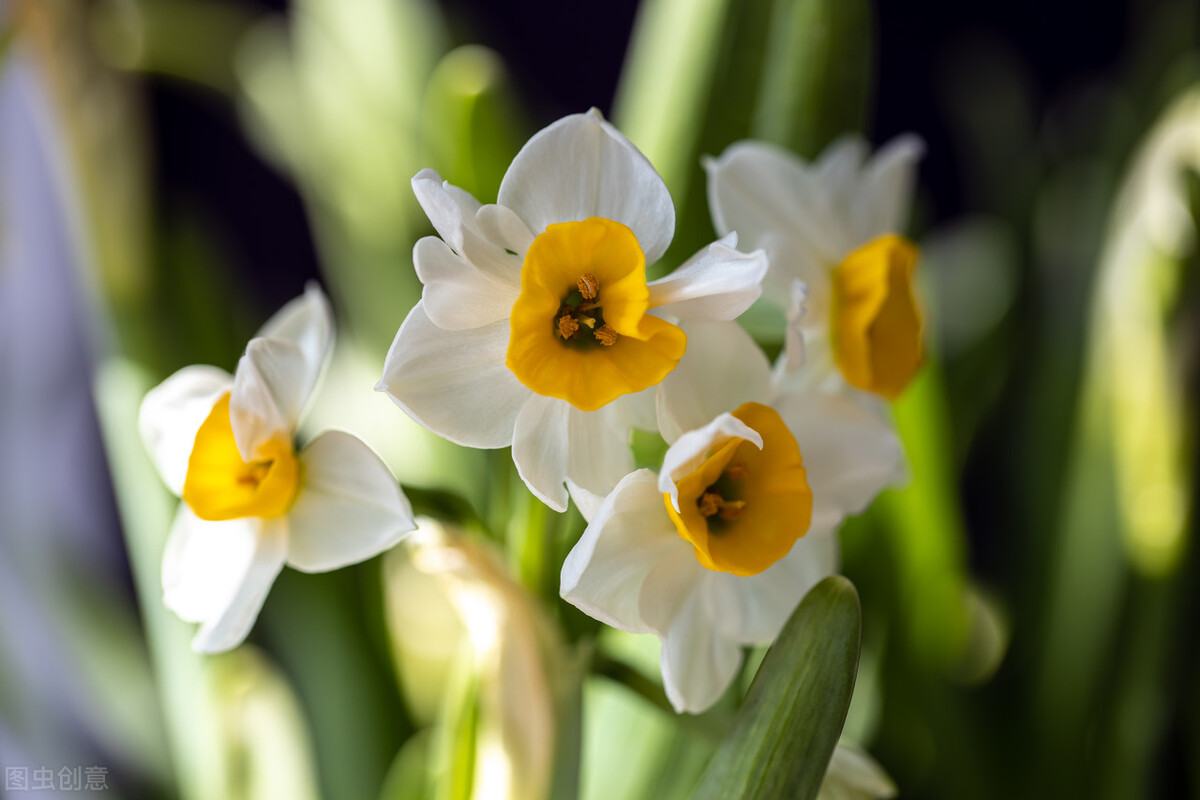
(875, 324)
(220, 485)
(580, 329)
(744, 508)
(582, 311)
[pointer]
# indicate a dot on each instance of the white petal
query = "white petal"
(636, 410)
(692, 448)
(852, 773)
(629, 534)
(582, 167)
(718, 283)
(454, 213)
(698, 661)
(850, 454)
(817, 371)
(454, 383)
(752, 610)
(270, 390)
(887, 187)
(838, 170)
(447, 206)
(756, 188)
(790, 261)
(793, 347)
(204, 562)
(540, 447)
(172, 413)
(502, 226)
(458, 295)
(598, 448)
(587, 502)
(721, 369)
(306, 322)
(349, 509)
(230, 627)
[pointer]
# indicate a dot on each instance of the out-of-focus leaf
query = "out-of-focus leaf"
(816, 73)
(665, 83)
(1131, 474)
(197, 746)
(335, 98)
(470, 122)
(408, 779)
(786, 730)
(192, 40)
(926, 523)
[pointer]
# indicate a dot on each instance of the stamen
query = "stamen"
(710, 503)
(568, 326)
(606, 335)
(732, 509)
(256, 473)
(588, 285)
(737, 471)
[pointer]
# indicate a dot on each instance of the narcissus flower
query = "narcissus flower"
(834, 225)
(537, 327)
(226, 445)
(715, 551)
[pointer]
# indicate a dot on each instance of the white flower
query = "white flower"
(225, 444)
(536, 327)
(715, 552)
(832, 224)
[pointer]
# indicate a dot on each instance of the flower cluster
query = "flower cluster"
(538, 330)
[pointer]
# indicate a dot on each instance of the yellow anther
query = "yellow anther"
(710, 503)
(732, 509)
(568, 326)
(588, 285)
(736, 471)
(256, 472)
(606, 335)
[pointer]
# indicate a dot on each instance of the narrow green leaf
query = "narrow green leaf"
(816, 73)
(787, 728)
(470, 122)
(666, 80)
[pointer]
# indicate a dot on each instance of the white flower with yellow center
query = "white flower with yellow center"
(226, 445)
(716, 550)
(832, 224)
(537, 327)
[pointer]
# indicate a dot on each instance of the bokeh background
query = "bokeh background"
(172, 171)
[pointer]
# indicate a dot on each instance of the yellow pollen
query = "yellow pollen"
(732, 509)
(568, 326)
(710, 503)
(588, 286)
(606, 335)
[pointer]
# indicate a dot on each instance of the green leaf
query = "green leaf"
(471, 120)
(787, 728)
(816, 73)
